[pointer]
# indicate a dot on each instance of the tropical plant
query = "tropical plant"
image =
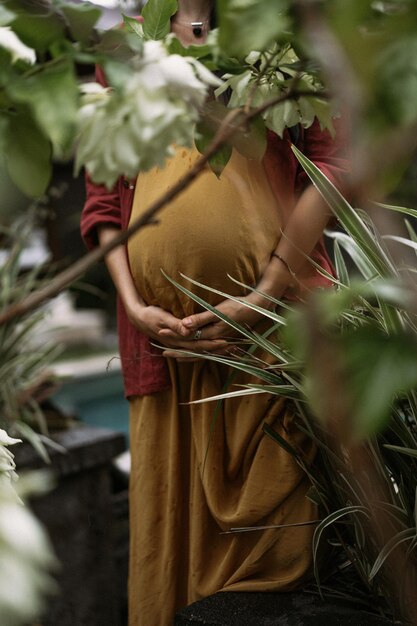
(348, 362)
(24, 362)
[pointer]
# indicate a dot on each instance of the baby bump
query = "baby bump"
(212, 230)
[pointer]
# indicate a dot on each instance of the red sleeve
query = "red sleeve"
(328, 153)
(101, 206)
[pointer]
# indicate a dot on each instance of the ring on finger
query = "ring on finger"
(197, 334)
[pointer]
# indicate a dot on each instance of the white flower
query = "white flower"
(17, 49)
(6, 440)
(26, 558)
(26, 555)
(134, 129)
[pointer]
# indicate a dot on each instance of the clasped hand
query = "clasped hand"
(215, 333)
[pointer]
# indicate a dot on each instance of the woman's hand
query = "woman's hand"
(168, 330)
(213, 327)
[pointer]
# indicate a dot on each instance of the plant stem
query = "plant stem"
(232, 123)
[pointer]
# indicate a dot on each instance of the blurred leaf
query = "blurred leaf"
(34, 439)
(81, 19)
(28, 155)
(6, 16)
(52, 94)
(246, 25)
(39, 28)
(378, 367)
(252, 142)
(118, 44)
(203, 138)
(407, 451)
(117, 72)
(412, 233)
(197, 51)
(396, 87)
(398, 209)
(157, 18)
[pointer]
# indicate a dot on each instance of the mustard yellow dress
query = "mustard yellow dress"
(199, 470)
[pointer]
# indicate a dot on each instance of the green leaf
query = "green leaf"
(325, 523)
(34, 439)
(132, 25)
(39, 29)
(52, 94)
(205, 132)
(341, 269)
(196, 51)
(203, 138)
(407, 451)
(157, 18)
(379, 367)
(392, 544)
(396, 88)
(246, 25)
(398, 209)
(275, 436)
(81, 19)
(119, 45)
(252, 142)
(28, 155)
(348, 217)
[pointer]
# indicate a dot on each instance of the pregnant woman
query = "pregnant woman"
(201, 469)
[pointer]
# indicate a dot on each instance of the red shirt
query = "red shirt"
(144, 369)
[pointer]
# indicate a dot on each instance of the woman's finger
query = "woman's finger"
(193, 322)
(174, 326)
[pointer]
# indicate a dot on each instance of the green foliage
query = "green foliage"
(247, 25)
(38, 25)
(380, 41)
(41, 104)
(81, 20)
(372, 336)
(156, 15)
(52, 96)
(23, 361)
(28, 154)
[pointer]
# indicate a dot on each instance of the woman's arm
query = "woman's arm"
(302, 231)
(296, 243)
(299, 237)
(148, 319)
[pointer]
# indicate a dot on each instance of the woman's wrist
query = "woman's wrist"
(133, 307)
(275, 280)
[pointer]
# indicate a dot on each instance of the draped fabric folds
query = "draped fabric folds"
(200, 469)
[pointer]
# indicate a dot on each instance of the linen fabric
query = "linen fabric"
(200, 469)
(144, 370)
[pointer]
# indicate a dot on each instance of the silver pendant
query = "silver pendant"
(197, 28)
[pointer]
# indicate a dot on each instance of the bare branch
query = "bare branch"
(232, 123)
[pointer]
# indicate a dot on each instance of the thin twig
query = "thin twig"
(232, 123)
